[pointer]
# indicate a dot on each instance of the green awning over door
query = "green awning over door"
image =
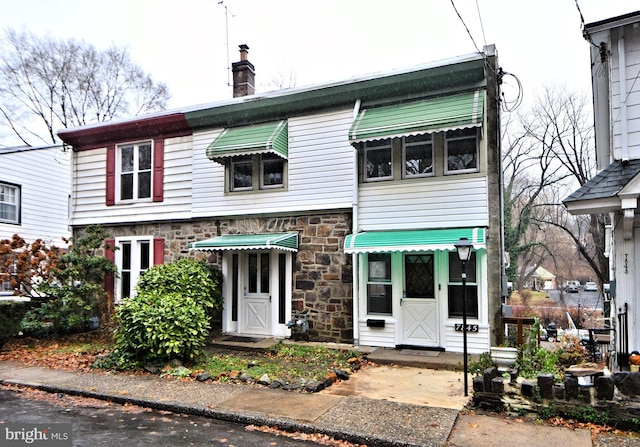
(452, 112)
(248, 140)
(412, 240)
(267, 241)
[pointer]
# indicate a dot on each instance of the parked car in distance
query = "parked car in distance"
(590, 287)
(572, 286)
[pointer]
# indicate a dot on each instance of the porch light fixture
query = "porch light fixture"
(464, 248)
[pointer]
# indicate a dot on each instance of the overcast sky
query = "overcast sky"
(183, 43)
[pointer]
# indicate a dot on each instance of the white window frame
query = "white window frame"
(17, 201)
(135, 270)
(378, 281)
(426, 139)
(370, 146)
(448, 171)
(135, 172)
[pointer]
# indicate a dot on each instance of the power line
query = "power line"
(484, 38)
(583, 26)
(507, 105)
(465, 26)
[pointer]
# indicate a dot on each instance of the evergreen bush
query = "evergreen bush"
(157, 327)
(169, 318)
(187, 277)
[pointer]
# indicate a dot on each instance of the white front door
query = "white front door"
(255, 301)
(420, 323)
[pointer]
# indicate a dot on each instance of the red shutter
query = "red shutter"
(158, 251)
(109, 280)
(111, 175)
(158, 170)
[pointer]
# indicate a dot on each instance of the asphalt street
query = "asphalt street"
(588, 300)
(98, 423)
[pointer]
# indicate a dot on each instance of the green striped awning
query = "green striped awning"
(248, 140)
(419, 117)
(412, 240)
(274, 241)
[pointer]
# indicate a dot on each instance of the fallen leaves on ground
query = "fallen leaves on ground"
(65, 354)
(67, 400)
(318, 438)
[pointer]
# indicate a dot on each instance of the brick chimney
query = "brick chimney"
(244, 74)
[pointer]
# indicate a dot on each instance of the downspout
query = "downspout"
(356, 267)
(622, 86)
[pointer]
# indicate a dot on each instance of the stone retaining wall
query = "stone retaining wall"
(611, 399)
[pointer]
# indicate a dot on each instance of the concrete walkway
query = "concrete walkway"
(379, 406)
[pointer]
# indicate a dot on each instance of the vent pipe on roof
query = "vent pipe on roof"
(244, 74)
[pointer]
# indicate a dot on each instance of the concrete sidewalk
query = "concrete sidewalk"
(379, 406)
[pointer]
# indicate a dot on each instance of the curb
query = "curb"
(223, 415)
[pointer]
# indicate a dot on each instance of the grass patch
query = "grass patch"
(287, 362)
(290, 363)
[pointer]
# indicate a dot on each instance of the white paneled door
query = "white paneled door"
(420, 325)
(255, 304)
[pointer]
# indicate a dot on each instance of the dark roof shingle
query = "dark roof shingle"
(607, 183)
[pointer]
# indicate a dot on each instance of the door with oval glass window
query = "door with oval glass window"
(255, 308)
(420, 324)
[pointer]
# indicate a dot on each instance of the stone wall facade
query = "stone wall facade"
(322, 272)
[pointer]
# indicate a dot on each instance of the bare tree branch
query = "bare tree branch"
(47, 84)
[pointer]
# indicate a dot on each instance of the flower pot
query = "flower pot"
(504, 357)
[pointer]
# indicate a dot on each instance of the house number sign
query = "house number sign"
(470, 328)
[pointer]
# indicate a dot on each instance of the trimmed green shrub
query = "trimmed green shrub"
(187, 277)
(156, 327)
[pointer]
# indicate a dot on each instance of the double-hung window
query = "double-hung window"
(379, 284)
(461, 151)
(378, 160)
(134, 257)
(456, 290)
(9, 203)
(417, 154)
(135, 176)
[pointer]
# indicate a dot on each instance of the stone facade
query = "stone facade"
(322, 273)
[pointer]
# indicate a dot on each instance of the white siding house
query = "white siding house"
(279, 191)
(615, 50)
(35, 184)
